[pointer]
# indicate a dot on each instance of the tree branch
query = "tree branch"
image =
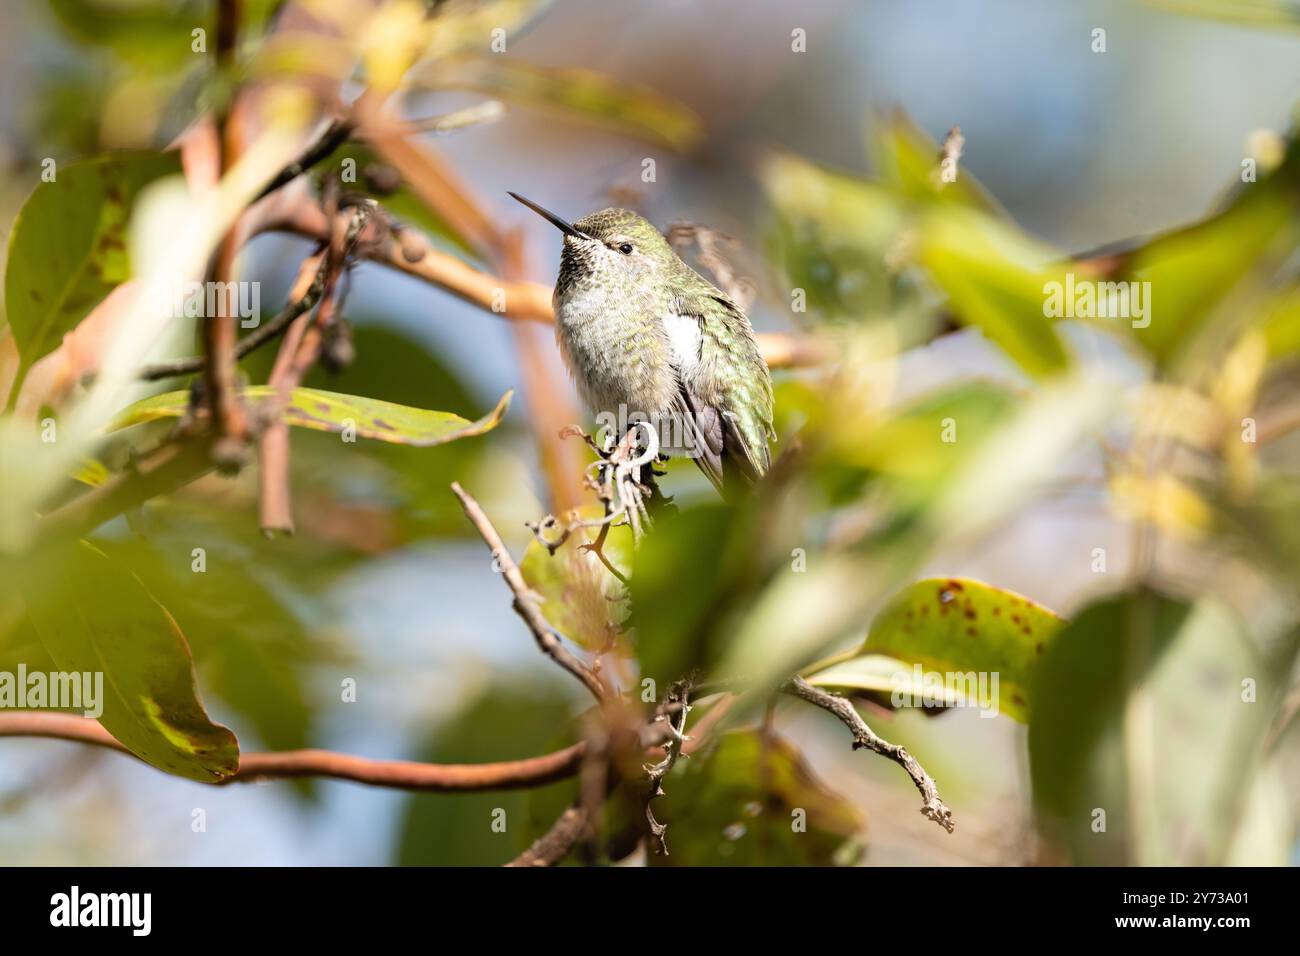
(401, 774)
(519, 300)
(554, 845)
(525, 603)
(864, 736)
(301, 299)
(173, 464)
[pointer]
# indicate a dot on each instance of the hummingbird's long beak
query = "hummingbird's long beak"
(564, 227)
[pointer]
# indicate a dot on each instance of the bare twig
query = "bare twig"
(298, 353)
(574, 822)
(949, 156)
(525, 603)
(679, 694)
(335, 135)
(864, 736)
(302, 299)
(554, 845)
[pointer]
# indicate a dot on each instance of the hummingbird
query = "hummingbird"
(647, 337)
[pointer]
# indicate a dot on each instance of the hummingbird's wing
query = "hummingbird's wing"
(727, 388)
(706, 439)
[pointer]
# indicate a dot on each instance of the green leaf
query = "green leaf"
(695, 567)
(251, 649)
(150, 34)
(579, 594)
(908, 158)
(751, 800)
(94, 616)
(1259, 13)
(1194, 270)
(331, 412)
(1279, 320)
(884, 679)
(626, 108)
(832, 237)
(909, 448)
(960, 626)
(511, 722)
(1139, 712)
(995, 277)
(69, 247)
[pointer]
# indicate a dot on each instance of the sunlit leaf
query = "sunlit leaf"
(580, 595)
(884, 678)
(94, 616)
(1193, 270)
(330, 412)
(751, 800)
(905, 156)
(995, 279)
(68, 249)
(960, 626)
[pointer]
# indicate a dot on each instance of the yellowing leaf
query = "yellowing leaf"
(331, 412)
(580, 595)
(956, 625)
(95, 617)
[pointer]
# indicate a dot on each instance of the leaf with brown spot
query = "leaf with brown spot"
(332, 412)
(982, 639)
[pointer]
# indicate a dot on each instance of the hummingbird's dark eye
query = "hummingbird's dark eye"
(626, 248)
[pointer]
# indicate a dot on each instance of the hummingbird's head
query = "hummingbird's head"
(614, 242)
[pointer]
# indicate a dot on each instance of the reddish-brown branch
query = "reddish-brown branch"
(220, 335)
(520, 300)
(401, 774)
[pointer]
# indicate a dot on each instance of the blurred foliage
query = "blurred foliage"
(576, 93)
(1156, 715)
(507, 722)
(69, 247)
(1157, 768)
(751, 800)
